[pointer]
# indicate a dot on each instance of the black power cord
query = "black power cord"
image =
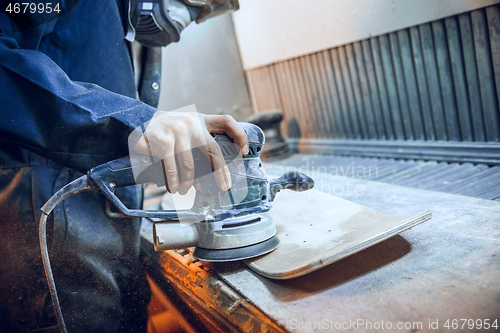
(78, 185)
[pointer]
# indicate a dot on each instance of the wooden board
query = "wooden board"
(316, 229)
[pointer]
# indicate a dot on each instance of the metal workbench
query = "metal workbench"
(447, 268)
(417, 110)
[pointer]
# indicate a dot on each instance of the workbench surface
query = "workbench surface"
(440, 272)
(444, 269)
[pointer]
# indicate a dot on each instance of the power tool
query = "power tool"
(222, 225)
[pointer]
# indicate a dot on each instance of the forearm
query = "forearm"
(44, 111)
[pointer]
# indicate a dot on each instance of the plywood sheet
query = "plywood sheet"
(316, 229)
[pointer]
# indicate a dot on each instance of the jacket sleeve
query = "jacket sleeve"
(76, 124)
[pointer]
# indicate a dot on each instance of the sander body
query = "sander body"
(222, 225)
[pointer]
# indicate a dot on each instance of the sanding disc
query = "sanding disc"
(239, 253)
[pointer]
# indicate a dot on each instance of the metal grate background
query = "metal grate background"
(475, 180)
(434, 81)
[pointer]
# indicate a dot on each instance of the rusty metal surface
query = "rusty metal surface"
(220, 307)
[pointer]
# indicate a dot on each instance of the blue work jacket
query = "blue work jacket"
(68, 103)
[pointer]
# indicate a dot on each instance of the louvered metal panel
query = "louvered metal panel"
(477, 180)
(434, 81)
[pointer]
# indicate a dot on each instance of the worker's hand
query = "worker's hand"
(176, 133)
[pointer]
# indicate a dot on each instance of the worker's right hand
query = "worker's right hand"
(171, 134)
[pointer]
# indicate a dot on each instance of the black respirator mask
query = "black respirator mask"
(156, 23)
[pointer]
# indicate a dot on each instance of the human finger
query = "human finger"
(186, 166)
(227, 124)
(221, 171)
(169, 167)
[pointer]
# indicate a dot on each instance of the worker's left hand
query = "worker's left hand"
(171, 134)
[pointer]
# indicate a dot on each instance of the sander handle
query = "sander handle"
(120, 173)
(139, 169)
(292, 180)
